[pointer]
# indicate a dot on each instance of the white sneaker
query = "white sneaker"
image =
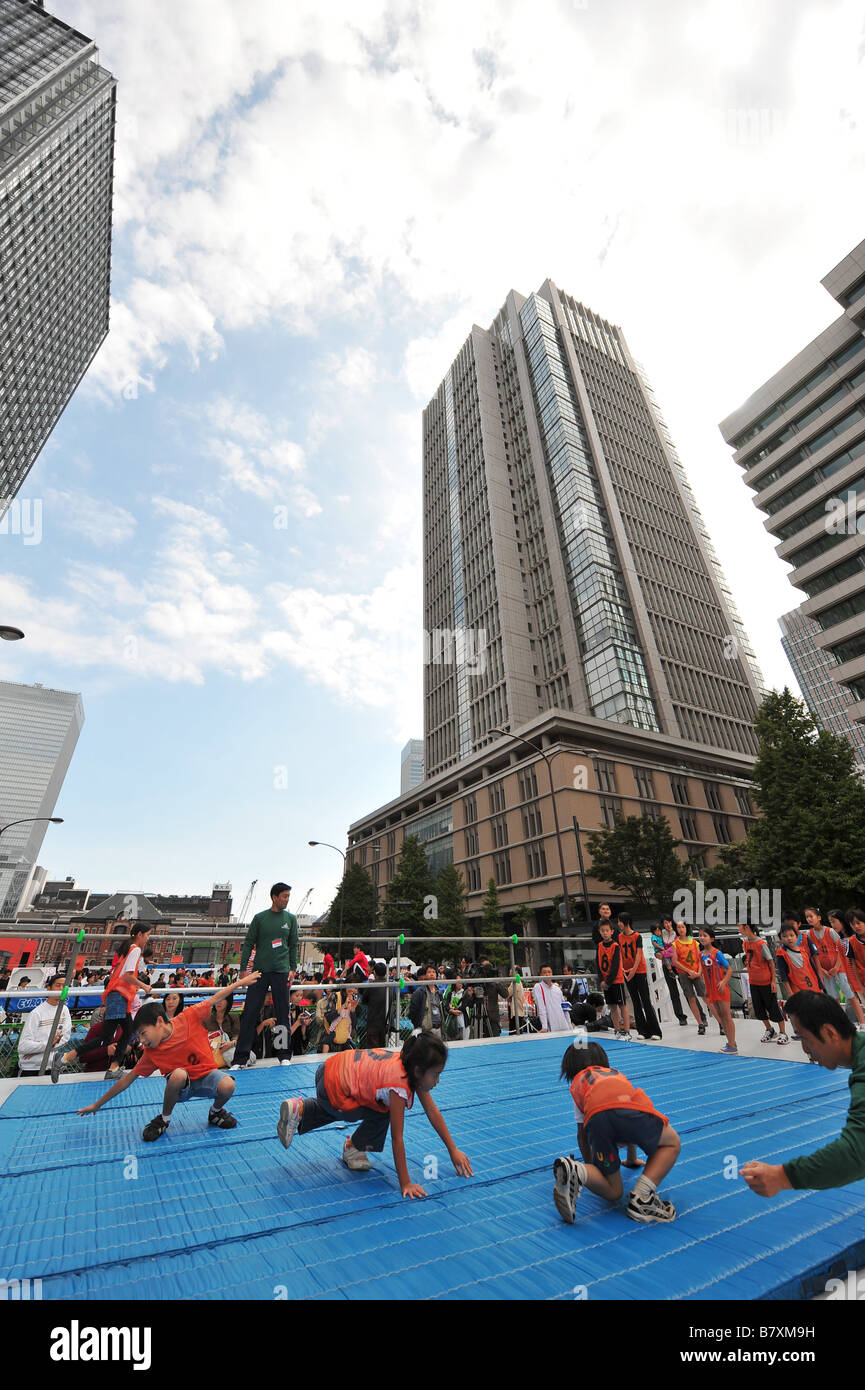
(355, 1159)
(567, 1189)
(285, 1062)
(290, 1116)
(768, 1035)
(783, 1040)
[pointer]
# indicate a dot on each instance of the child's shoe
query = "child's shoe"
(650, 1211)
(355, 1159)
(567, 1188)
(701, 1029)
(290, 1115)
(783, 1040)
(733, 1051)
(768, 1035)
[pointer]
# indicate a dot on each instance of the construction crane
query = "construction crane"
(304, 900)
(247, 900)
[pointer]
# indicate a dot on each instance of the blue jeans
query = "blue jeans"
(370, 1134)
(203, 1088)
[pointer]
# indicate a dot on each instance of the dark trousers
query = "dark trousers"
(370, 1134)
(644, 1015)
(277, 982)
(672, 986)
(106, 1038)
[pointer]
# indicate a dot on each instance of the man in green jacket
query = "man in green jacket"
(272, 935)
(832, 1040)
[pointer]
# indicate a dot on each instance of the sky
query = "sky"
(312, 206)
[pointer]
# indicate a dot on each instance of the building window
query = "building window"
(500, 831)
(650, 808)
(680, 791)
(606, 775)
(743, 797)
(473, 876)
(470, 809)
(391, 842)
(696, 858)
(645, 783)
(722, 829)
(362, 854)
(528, 784)
(532, 822)
(713, 796)
(471, 842)
(502, 868)
(688, 822)
(536, 860)
(611, 806)
(497, 797)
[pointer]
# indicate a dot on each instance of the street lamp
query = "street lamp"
(31, 820)
(10, 634)
(313, 843)
(536, 749)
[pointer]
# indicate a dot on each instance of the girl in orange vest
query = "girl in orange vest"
(717, 969)
(613, 1114)
(761, 979)
(376, 1088)
(831, 961)
(855, 958)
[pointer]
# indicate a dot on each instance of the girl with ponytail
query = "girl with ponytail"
(376, 1088)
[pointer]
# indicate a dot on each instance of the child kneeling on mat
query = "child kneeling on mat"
(376, 1088)
(180, 1049)
(611, 1113)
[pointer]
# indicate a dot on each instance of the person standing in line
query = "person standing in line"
(637, 978)
(831, 959)
(612, 980)
(272, 934)
(717, 970)
(686, 963)
(663, 940)
(761, 978)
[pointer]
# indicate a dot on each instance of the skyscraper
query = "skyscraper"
(39, 729)
(800, 442)
(56, 169)
(814, 669)
(411, 765)
(563, 550)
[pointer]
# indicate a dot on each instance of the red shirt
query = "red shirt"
(360, 960)
(329, 973)
(188, 1047)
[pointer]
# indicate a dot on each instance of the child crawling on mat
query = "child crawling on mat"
(612, 1114)
(180, 1049)
(376, 1088)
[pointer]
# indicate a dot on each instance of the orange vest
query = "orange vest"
(713, 975)
(629, 945)
(351, 1079)
(687, 952)
(826, 948)
(120, 984)
(856, 956)
(759, 970)
(799, 976)
(605, 962)
(601, 1088)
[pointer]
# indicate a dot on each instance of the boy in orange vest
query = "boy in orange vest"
(612, 1114)
(761, 979)
(611, 971)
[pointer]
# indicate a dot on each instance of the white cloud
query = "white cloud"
(98, 521)
(256, 457)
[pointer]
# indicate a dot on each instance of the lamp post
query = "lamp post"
(10, 634)
(29, 820)
(540, 751)
(342, 884)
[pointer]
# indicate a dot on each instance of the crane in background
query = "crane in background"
(304, 900)
(247, 900)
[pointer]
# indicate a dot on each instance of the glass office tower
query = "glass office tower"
(56, 170)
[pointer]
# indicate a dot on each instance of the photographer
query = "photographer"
(491, 994)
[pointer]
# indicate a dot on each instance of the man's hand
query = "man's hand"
(412, 1189)
(461, 1164)
(90, 1109)
(766, 1179)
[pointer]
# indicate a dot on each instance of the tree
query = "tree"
(493, 924)
(638, 857)
(357, 894)
(450, 892)
(409, 895)
(731, 868)
(809, 842)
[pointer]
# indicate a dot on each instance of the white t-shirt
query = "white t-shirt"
(382, 1095)
(130, 964)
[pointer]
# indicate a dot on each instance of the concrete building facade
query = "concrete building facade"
(800, 442)
(814, 669)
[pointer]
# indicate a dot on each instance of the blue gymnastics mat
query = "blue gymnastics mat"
(96, 1213)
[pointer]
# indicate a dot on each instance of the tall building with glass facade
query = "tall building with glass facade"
(814, 669)
(800, 442)
(411, 765)
(39, 729)
(564, 549)
(56, 170)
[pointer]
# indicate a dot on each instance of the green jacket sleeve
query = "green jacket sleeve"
(248, 942)
(292, 943)
(842, 1161)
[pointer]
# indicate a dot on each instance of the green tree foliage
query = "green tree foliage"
(810, 839)
(357, 895)
(451, 896)
(492, 924)
(638, 858)
(407, 898)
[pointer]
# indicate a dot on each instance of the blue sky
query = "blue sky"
(312, 206)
